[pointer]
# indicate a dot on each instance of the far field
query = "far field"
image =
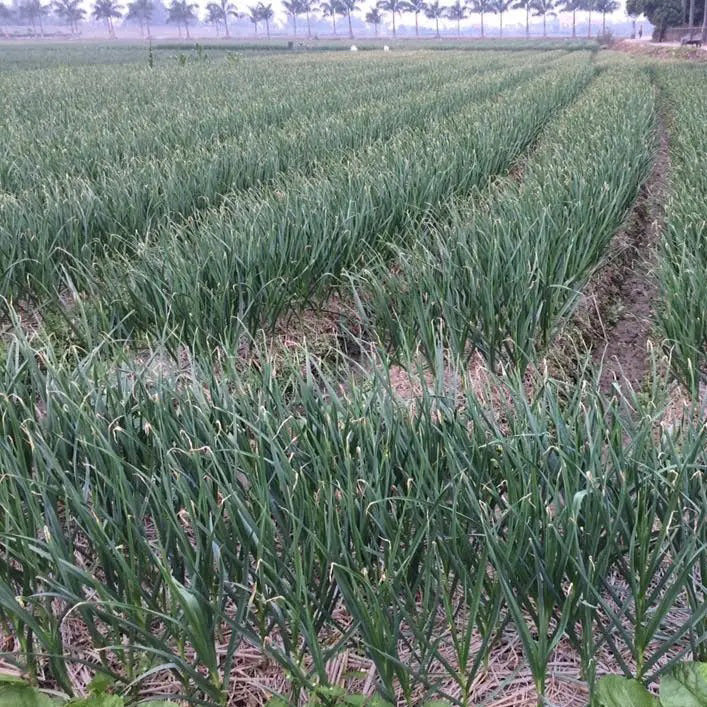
(347, 378)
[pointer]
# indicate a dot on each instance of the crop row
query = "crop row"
(504, 273)
(179, 529)
(241, 266)
(683, 256)
(66, 191)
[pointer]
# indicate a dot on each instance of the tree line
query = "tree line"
(220, 14)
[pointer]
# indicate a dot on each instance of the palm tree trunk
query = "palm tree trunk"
(41, 26)
(603, 24)
(309, 28)
(574, 23)
(294, 22)
(692, 14)
(459, 27)
(527, 20)
(437, 24)
(393, 24)
(544, 25)
(589, 24)
(267, 27)
(704, 24)
(417, 28)
(500, 24)
(482, 25)
(348, 15)
(186, 29)
(333, 22)
(225, 25)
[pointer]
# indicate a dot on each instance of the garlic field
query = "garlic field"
(304, 397)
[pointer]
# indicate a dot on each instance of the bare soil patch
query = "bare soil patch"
(662, 51)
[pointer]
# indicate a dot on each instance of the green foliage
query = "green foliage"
(684, 686)
(17, 692)
(186, 487)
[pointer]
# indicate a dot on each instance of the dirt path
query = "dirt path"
(625, 289)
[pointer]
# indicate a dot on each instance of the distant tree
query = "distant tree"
(292, 8)
(416, 7)
(308, 7)
(107, 10)
(481, 7)
(253, 15)
(606, 7)
(5, 16)
(588, 6)
(457, 12)
(347, 7)
(374, 17)
(394, 7)
(213, 17)
(266, 14)
(71, 12)
(660, 13)
(572, 6)
(527, 6)
(543, 8)
(141, 10)
(433, 11)
(182, 13)
(34, 11)
(219, 12)
(501, 6)
(331, 9)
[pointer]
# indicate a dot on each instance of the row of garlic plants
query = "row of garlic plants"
(240, 267)
(682, 270)
(506, 271)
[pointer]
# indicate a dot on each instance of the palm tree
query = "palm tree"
(266, 13)
(543, 8)
(482, 6)
(331, 9)
(606, 7)
(107, 10)
(433, 11)
(141, 10)
(346, 7)
(393, 7)
(181, 12)
(589, 5)
(572, 6)
(501, 6)
(457, 12)
(213, 16)
(374, 17)
(219, 12)
(5, 16)
(416, 6)
(308, 6)
(254, 16)
(293, 8)
(524, 5)
(34, 11)
(70, 12)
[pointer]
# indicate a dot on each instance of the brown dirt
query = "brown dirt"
(668, 52)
